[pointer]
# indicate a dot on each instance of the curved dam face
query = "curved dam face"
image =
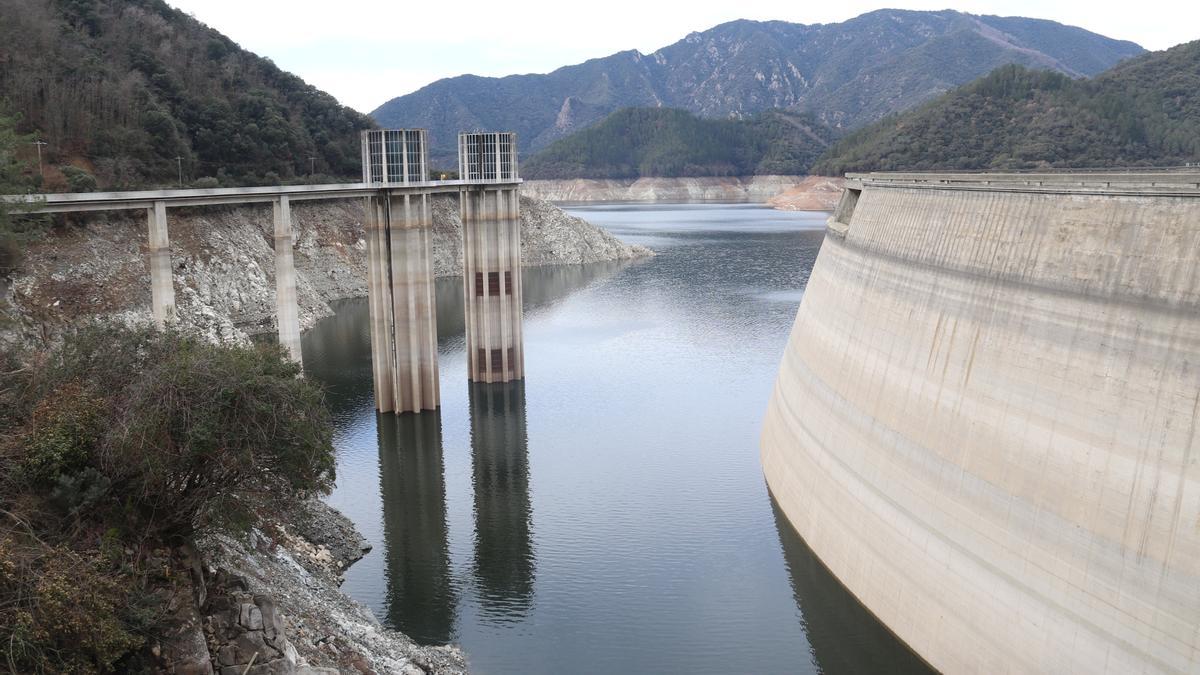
(986, 417)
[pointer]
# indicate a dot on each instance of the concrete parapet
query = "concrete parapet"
(986, 418)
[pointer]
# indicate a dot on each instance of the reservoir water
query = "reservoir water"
(608, 514)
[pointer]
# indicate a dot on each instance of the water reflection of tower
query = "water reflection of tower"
(420, 594)
(504, 563)
(843, 635)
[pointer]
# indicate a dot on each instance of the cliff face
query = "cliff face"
(744, 189)
(985, 421)
(814, 193)
(224, 263)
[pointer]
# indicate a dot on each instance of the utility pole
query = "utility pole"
(179, 162)
(39, 144)
(312, 162)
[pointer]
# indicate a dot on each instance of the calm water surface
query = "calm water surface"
(607, 515)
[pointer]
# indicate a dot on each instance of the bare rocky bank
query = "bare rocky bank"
(268, 603)
(223, 260)
(814, 193)
(730, 189)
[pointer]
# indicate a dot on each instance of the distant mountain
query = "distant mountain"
(1145, 111)
(846, 74)
(121, 88)
(666, 142)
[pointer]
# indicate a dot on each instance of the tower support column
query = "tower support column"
(402, 306)
(492, 283)
(162, 288)
(287, 306)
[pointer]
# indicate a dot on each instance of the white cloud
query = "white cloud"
(368, 51)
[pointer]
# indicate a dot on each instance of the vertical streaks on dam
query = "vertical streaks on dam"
(985, 418)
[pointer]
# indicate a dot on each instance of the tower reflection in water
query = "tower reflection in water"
(843, 635)
(421, 598)
(504, 563)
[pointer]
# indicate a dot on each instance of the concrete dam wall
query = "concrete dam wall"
(985, 421)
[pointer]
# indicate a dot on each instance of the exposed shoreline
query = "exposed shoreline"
(223, 264)
(723, 189)
(294, 567)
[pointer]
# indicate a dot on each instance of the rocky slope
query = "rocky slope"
(744, 189)
(268, 603)
(224, 263)
(814, 193)
(847, 74)
(289, 576)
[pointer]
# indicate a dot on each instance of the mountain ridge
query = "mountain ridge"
(846, 74)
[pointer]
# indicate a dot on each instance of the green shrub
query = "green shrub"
(206, 183)
(189, 434)
(78, 180)
(66, 426)
(124, 442)
(206, 426)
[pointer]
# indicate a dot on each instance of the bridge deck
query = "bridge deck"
(143, 199)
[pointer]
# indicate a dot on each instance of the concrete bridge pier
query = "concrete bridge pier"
(492, 284)
(162, 288)
(288, 309)
(401, 299)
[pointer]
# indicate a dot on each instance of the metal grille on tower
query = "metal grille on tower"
(487, 156)
(394, 156)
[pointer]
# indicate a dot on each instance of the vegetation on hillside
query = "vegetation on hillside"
(1144, 112)
(129, 92)
(847, 74)
(13, 180)
(636, 142)
(119, 447)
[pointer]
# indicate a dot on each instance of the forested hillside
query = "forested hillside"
(1144, 112)
(637, 142)
(121, 88)
(847, 74)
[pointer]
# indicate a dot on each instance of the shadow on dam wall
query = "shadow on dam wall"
(844, 638)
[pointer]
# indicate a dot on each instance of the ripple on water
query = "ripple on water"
(609, 513)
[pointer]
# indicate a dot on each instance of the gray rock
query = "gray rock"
(224, 269)
(226, 655)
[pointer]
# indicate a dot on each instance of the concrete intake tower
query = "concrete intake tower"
(986, 417)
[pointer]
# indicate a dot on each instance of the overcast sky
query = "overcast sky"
(368, 51)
